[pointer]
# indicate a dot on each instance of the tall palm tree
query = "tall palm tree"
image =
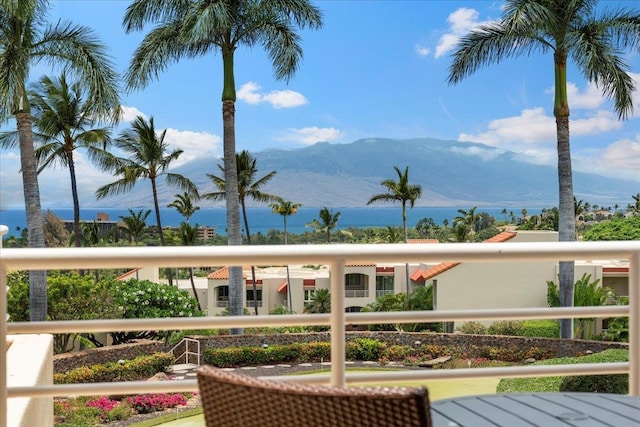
(189, 29)
(595, 39)
(399, 191)
(184, 206)
(327, 221)
(404, 192)
(25, 39)
(188, 235)
(469, 220)
(249, 186)
(635, 206)
(64, 117)
(135, 224)
(286, 208)
(148, 158)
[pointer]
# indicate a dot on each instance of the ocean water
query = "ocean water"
(262, 219)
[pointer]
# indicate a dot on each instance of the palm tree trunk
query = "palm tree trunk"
(156, 205)
(406, 265)
(193, 288)
(567, 219)
(37, 278)
(234, 233)
(253, 268)
(566, 222)
(76, 202)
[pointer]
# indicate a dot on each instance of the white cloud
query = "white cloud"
(311, 135)
(531, 126)
(624, 155)
(129, 114)
(460, 22)
(422, 50)
(285, 99)
(250, 93)
(483, 153)
(194, 144)
(534, 126)
(636, 94)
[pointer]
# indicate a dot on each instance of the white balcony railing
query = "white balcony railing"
(335, 256)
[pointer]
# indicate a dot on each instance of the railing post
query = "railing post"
(4, 404)
(634, 324)
(338, 335)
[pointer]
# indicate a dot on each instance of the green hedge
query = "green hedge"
(139, 368)
(248, 356)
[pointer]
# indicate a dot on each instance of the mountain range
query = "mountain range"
(451, 173)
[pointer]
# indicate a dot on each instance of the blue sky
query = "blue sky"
(376, 69)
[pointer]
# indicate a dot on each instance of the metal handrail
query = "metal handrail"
(335, 256)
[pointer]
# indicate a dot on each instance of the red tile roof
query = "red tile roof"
(424, 275)
(222, 274)
(282, 288)
(127, 275)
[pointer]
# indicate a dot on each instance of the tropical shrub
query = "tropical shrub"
(540, 328)
(142, 299)
(364, 349)
(472, 328)
(421, 299)
(230, 357)
(618, 384)
(142, 367)
(146, 403)
(70, 296)
(506, 327)
(587, 293)
(616, 229)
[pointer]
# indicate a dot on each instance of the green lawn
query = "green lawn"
(528, 385)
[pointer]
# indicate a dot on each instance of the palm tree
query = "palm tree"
(148, 159)
(596, 43)
(403, 192)
(634, 207)
(286, 208)
(25, 39)
(188, 235)
(248, 186)
(189, 29)
(65, 119)
(327, 222)
(184, 206)
(469, 220)
(135, 224)
(399, 191)
(321, 302)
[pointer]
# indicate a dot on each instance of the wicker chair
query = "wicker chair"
(234, 400)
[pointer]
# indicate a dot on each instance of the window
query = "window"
(355, 280)
(223, 293)
(384, 285)
(309, 294)
(250, 301)
(222, 296)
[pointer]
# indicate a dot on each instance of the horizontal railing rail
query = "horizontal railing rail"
(335, 256)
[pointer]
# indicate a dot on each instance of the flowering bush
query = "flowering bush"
(103, 403)
(131, 370)
(142, 299)
(147, 403)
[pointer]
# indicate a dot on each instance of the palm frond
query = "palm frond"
(78, 48)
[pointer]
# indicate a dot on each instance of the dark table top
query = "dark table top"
(538, 409)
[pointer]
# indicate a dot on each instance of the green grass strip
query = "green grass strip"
(538, 384)
(162, 419)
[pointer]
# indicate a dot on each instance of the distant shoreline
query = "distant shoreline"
(261, 220)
